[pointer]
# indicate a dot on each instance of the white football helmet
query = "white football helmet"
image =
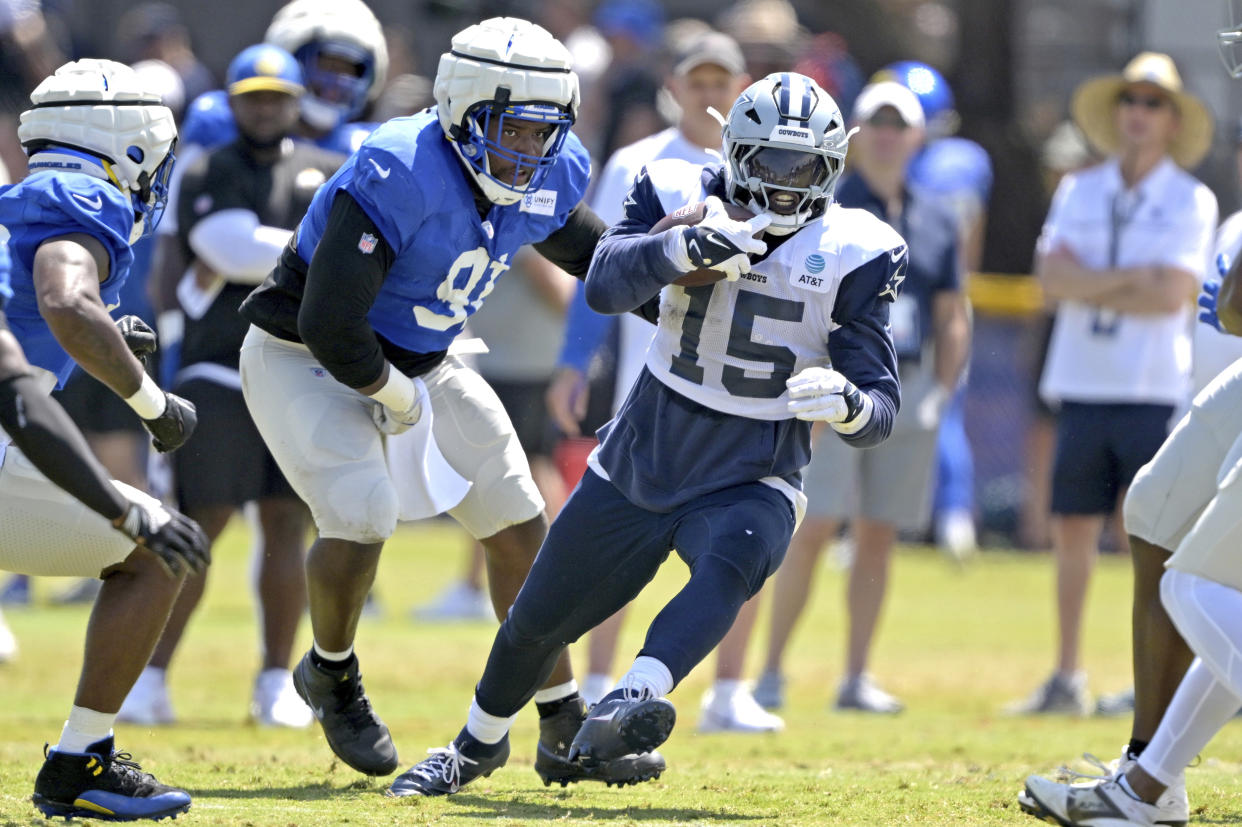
(346, 29)
(784, 149)
(502, 68)
(101, 108)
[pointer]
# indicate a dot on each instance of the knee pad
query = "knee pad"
(1143, 504)
(363, 515)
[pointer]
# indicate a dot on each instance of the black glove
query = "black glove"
(178, 543)
(138, 336)
(173, 427)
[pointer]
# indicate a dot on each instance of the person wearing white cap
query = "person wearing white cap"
(708, 70)
(1124, 248)
(887, 488)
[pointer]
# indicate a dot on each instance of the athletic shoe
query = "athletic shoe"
(80, 593)
(955, 535)
(1056, 696)
(1173, 805)
(594, 687)
(16, 591)
(451, 768)
(104, 784)
(623, 723)
(459, 601)
(353, 730)
(861, 694)
(147, 703)
(769, 691)
(276, 703)
(1115, 705)
(736, 712)
(8, 643)
(1102, 803)
(556, 733)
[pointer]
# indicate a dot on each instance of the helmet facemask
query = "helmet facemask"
(334, 97)
(488, 118)
(152, 194)
(791, 185)
(1229, 40)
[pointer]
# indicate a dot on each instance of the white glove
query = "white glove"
(718, 242)
(932, 406)
(395, 422)
(823, 395)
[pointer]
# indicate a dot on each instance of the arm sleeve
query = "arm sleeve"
(862, 347)
(341, 285)
(572, 246)
(41, 429)
(234, 244)
(630, 266)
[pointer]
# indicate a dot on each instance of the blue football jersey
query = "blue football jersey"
(46, 205)
(408, 180)
(5, 292)
(953, 167)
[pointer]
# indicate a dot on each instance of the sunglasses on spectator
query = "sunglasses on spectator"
(892, 121)
(1145, 101)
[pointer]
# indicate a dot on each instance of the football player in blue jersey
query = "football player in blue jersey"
(349, 372)
(705, 454)
(100, 150)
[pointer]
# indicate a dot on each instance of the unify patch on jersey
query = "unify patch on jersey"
(540, 202)
(792, 135)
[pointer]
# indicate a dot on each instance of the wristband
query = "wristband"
(149, 401)
(398, 392)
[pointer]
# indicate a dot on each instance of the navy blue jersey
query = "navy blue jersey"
(711, 407)
(410, 183)
(48, 204)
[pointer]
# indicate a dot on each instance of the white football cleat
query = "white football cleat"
(276, 703)
(735, 712)
(8, 643)
(459, 601)
(147, 703)
(1101, 803)
(1173, 806)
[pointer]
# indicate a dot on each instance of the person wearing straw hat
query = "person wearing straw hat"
(1123, 251)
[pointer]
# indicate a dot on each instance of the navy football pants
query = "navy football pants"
(602, 550)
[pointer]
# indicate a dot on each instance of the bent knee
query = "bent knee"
(368, 516)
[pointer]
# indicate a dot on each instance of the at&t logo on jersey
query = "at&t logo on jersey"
(814, 264)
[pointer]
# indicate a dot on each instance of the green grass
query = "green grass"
(955, 645)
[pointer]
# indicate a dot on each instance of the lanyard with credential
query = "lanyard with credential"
(1124, 207)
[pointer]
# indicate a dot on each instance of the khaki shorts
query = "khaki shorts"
(1171, 491)
(46, 531)
(322, 436)
(890, 483)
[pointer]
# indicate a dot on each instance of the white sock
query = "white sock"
(84, 727)
(151, 674)
(727, 687)
(338, 657)
(556, 693)
(485, 727)
(594, 687)
(648, 678)
(1200, 707)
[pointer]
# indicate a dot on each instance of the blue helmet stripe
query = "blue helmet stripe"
(783, 103)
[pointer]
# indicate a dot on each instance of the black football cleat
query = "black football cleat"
(353, 730)
(448, 769)
(556, 733)
(103, 784)
(619, 725)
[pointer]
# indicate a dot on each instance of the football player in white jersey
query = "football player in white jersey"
(1183, 511)
(705, 455)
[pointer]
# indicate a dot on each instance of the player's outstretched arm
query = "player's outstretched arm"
(67, 273)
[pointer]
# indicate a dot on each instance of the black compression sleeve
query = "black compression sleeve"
(39, 426)
(341, 285)
(572, 246)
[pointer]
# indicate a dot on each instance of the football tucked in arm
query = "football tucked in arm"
(692, 214)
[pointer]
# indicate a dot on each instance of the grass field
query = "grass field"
(955, 645)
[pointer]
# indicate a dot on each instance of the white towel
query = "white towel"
(426, 484)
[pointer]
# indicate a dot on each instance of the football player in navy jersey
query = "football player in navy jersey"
(705, 454)
(349, 373)
(100, 150)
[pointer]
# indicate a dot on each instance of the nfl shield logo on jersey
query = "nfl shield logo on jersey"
(367, 243)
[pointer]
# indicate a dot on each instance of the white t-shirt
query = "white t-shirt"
(614, 184)
(1100, 355)
(1214, 350)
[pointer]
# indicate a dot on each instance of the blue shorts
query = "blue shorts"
(1100, 447)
